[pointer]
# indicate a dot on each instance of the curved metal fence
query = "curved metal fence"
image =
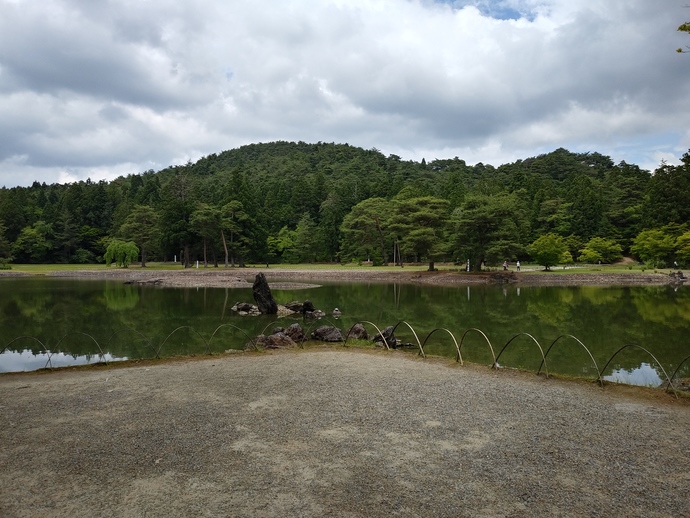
(154, 351)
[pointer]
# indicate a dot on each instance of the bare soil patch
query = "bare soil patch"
(243, 277)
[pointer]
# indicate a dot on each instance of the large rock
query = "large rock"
(328, 334)
(295, 332)
(389, 337)
(274, 341)
(262, 295)
(358, 332)
(295, 306)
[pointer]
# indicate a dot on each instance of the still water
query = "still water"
(76, 321)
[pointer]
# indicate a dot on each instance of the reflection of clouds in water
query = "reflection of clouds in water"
(645, 375)
(14, 361)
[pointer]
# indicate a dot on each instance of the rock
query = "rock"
(244, 308)
(274, 341)
(389, 337)
(262, 295)
(308, 307)
(294, 306)
(336, 313)
(277, 330)
(296, 332)
(314, 315)
(284, 311)
(328, 334)
(358, 332)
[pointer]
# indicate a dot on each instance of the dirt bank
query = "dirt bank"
(242, 278)
(338, 432)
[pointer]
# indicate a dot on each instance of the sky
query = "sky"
(104, 88)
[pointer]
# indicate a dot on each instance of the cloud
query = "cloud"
(102, 88)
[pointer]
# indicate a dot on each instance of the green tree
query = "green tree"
(177, 204)
(364, 231)
(5, 247)
(306, 239)
(233, 217)
(602, 250)
(625, 192)
(668, 195)
(206, 221)
(141, 226)
(420, 225)
(121, 252)
(548, 250)
(654, 246)
(66, 236)
(490, 228)
(282, 245)
(682, 248)
(34, 243)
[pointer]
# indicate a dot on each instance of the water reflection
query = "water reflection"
(24, 361)
(645, 375)
(132, 321)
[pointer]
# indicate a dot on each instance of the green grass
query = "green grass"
(527, 269)
(43, 269)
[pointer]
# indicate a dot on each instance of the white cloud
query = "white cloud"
(96, 89)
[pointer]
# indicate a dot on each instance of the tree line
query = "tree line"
(324, 202)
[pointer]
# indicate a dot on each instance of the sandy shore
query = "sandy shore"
(335, 432)
(243, 277)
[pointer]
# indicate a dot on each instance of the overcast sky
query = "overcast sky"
(103, 88)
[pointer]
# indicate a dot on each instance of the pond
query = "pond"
(51, 322)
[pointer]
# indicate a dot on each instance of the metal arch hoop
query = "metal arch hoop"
(670, 385)
(491, 348)
(148, 342)
(160, 347)
(84, 334)
(458, 357)
(208, 345)
(421, 349)
(543, 358)
(45, 349)
(583, 346)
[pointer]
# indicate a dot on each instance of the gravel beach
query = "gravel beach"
(335, 432)
(243, 277)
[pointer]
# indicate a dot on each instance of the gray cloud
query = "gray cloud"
(105, 88)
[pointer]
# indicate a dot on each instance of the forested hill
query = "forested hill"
(286, 201)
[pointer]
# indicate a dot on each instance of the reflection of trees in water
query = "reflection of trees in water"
(664, 305)
(120, 297)
(127, 321)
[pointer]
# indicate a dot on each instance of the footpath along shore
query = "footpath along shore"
(243, 277)
(335, 432)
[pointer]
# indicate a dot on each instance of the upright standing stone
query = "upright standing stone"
(262, 295)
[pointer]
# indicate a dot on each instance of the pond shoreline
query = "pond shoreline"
(243, 277)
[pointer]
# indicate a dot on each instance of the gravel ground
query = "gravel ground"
(244, 277)
(335, 432)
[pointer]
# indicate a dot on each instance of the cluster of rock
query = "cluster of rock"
(677, 277)
(286, 337)
(281, 337)
(266, 304)
(294, 334)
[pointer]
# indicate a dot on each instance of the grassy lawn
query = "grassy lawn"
(530, 269)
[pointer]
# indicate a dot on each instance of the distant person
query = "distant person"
(505, 265)
(518, 266)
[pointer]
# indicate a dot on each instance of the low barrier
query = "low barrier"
(155, 351)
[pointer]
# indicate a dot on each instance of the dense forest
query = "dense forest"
(299, 202)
